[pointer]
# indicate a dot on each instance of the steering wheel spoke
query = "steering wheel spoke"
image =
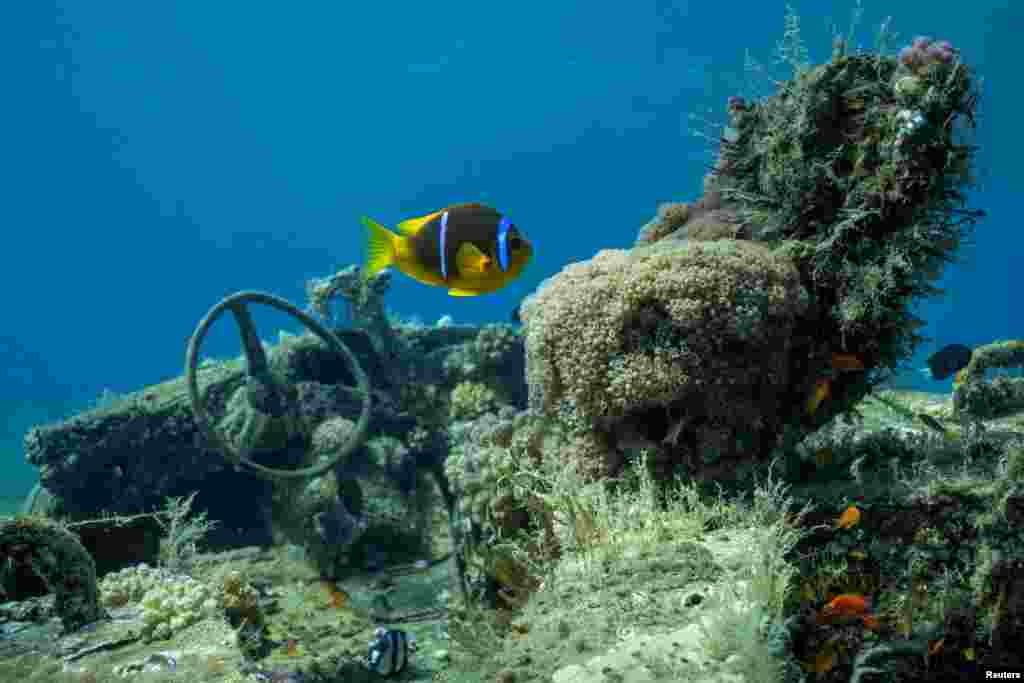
(272, 402)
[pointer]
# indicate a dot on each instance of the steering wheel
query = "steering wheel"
(265, 394)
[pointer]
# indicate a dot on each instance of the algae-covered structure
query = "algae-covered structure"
(682, 466)
(743, 320)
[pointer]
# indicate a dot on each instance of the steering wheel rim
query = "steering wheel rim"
(254, 354)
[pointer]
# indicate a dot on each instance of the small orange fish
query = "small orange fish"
(960, 377)
(849, 518)
(846, 606)
(821, 391)
(336, 597)
(847, 362)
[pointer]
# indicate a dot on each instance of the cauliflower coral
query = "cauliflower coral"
(685, 342)
(626, 331)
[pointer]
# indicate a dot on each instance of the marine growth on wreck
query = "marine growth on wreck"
(684, 465)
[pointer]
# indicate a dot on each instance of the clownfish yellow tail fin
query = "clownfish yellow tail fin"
(381, 247)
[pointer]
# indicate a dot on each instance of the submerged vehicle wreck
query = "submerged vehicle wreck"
(682, 466)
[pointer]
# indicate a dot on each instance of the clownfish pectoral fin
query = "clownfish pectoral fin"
(455, 291)
(381, 246)
(470, 261)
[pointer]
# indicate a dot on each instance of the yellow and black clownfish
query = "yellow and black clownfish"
(469, 249)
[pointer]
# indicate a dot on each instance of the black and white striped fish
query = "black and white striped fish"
(389, 651)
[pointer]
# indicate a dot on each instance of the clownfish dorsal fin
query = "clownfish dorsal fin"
(467, 205)
(413, 226)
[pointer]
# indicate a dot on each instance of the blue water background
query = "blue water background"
(158, 156)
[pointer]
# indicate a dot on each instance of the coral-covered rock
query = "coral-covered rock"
(671, 217)
(689, 342)
(48, 550)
